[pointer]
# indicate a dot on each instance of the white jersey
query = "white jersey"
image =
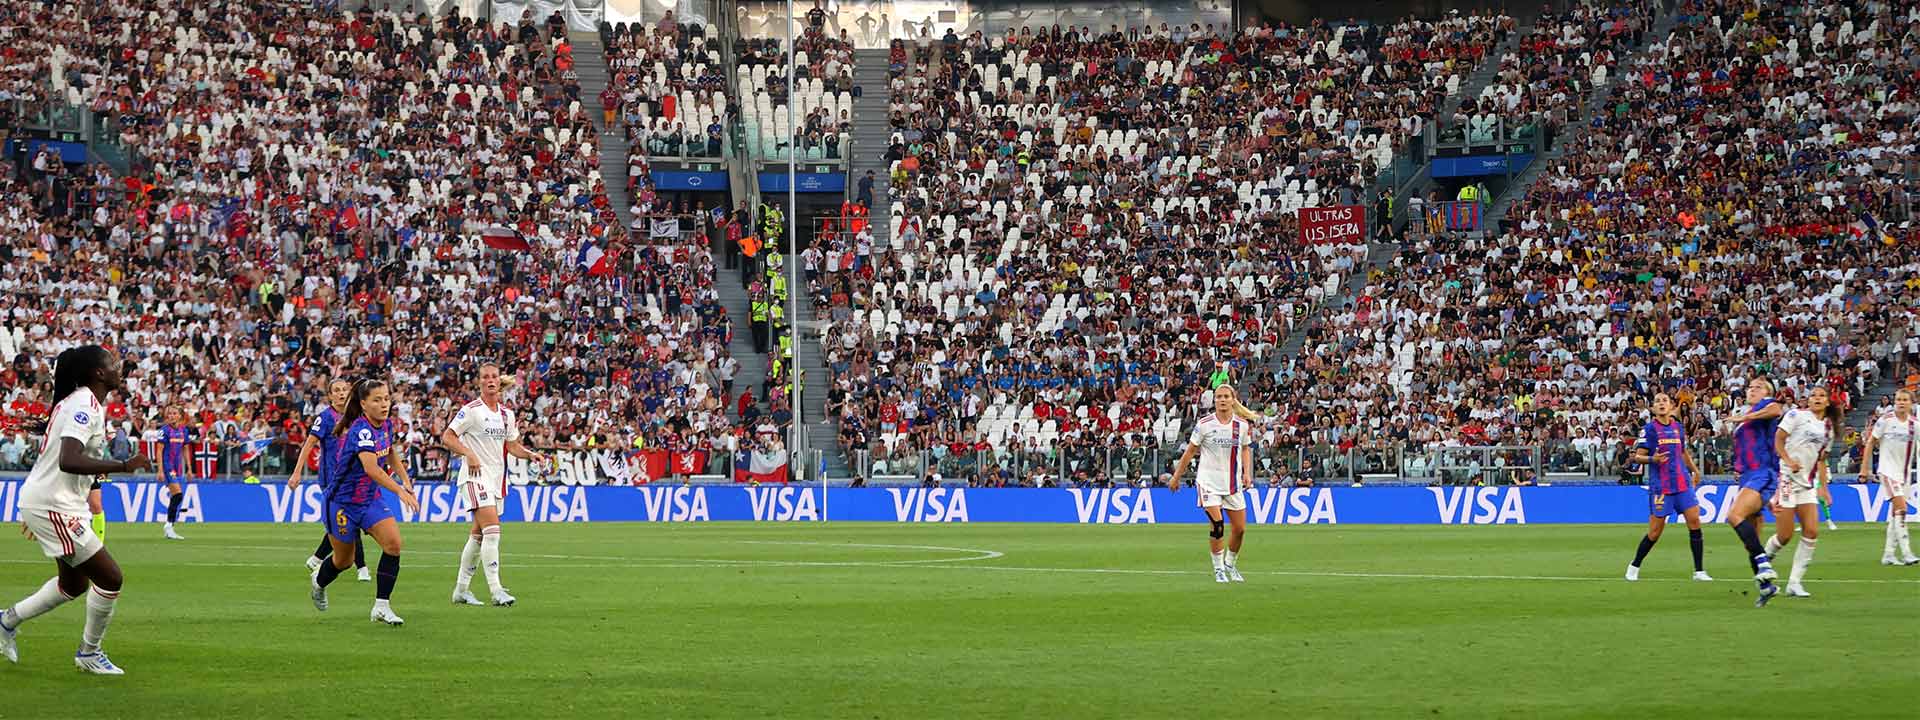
(78, 416)
(1222, 470)
(485, 431)
(1807, 440)
(1895, 438)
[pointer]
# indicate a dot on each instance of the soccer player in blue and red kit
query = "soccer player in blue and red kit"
(1758, 464)
(1663, 446)
(321, 436)
(175, 438)
(365, 460)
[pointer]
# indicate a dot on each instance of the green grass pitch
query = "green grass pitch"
(1002, 621)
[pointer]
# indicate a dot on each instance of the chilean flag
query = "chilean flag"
(593, 260)
(500, 237)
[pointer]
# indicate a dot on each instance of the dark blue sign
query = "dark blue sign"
(1478, 165)
(68, 152)
(689, 180)
(804, 182)
(665, 502)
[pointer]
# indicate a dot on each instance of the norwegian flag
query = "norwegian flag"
(206, 461)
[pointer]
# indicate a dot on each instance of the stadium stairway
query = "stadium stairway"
(1863, 407)
(590, 62)
(871, 130)
(1596, 102)
(1482, 77)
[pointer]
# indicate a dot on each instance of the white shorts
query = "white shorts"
(1795, 491)
(1210, 498)
(476, 494)
(67, 538)
(1895, 486)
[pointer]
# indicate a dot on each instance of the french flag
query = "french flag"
(501, 237)
(593, 260)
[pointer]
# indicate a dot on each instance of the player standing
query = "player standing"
(53, 505)
(365, 460)
(1893, 434)
(1758, 464)
(484, 433)
(320, 436)
(1803, 438)
(1224, 444)
(1663, 446)
(175, 437)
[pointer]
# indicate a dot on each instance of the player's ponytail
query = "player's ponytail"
(75, 367)
(361, 389)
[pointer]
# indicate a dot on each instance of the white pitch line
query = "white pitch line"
(615, 562)
(978, 554)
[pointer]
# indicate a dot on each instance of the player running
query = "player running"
(53, 505)
(365, 460)
(175, 438)
(1893, 434)
(320, 436)
(484, 433)
(1758, 464)
(1670, 476)
(1803, 438)
(1224, 444)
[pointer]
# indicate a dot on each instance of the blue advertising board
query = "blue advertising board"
(1477, 165)
(689, 180)
(273, 502)
(67, 151)
(804, 182)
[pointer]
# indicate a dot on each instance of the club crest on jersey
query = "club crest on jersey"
(81, 417)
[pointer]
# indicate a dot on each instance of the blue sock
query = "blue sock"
(1751, 538)
(173, 507)
(384, 577)
(327, 573)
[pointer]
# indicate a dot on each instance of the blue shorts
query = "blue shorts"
(1668, 504)
(345, 521)
(1764, 481)
(173, 475)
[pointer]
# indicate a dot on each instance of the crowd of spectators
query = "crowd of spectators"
(1086, 226)
(823, 84)
(668, 88)
(307, 200)
(1546, 80)
(1737, 210)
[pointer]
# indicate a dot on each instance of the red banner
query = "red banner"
(1337, 224)
(660, 464)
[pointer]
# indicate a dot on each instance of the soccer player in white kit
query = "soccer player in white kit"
(53, 505)
(1224, 443)
(484, 433)
(1803, 438)
(1893, 434)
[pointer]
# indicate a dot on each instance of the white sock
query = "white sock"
(379, 604)
(490, 556)
(99, 613)
(468, 555)
(1906, 545)
(1802, 557)
(1231, 557)
(1774, 544)
(1893, 531)
(32, 606)
(1219, 561)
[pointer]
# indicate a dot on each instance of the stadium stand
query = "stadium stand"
(261, 242)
